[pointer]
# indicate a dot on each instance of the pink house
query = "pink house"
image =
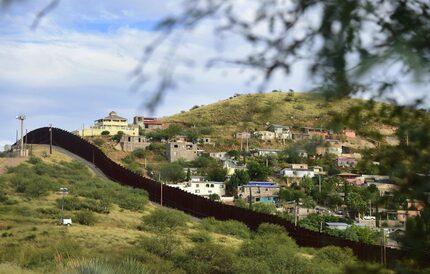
(349, 133)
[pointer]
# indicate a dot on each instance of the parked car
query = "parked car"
(369, 218)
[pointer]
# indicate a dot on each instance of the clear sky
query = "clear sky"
(75, 67)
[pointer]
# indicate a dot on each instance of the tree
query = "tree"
(188, 174)
(105, 133)
(239, 178)
(257, 171)
(139, 153)
(216, 173)
(117, 137)
(264, 208)
(172, 172)
(355, 203)
(214, 197)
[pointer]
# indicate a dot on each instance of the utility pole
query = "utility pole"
(161, 189)
(295, 214)
(21, 117)
(319, 182)
(63, 190)
(50, 139)
(26, 140)
(250, 198)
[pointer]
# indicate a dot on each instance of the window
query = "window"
(209, 191)
(129, 139)
(197, 185)
(212, 185)
(257, 199)
(175, 146)
(197, 191)
(207, 185)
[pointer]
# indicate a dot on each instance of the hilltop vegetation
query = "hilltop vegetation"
(250, 111)
(121, 232)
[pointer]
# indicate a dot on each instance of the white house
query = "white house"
(219, 155)
(264, 135)
(202, 188)
(298, 171)
(268, 151)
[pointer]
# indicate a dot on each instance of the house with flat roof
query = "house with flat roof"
(260, 192)
(202, 188)
(182, 150)
(281, 132)
(130, 143)
(147, 123)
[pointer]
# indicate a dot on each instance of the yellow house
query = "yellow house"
(112, 123)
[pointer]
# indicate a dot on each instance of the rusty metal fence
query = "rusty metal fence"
(201, 207)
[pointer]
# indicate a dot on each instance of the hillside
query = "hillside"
(116, 230)
(250, 111)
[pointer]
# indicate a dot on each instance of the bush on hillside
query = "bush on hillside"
(230, 227)
(164, 246)
(99, 142)
(86, 217)
(75, 203)
(164, 220)
(139, 153)
(267, 228)
(105, 133)
(117, 137)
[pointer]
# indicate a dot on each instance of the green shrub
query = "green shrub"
(86, 217)
(264, 208)
(99, 266)
(161, 245)
(117, 137)
(200, 237)
(49, 212)
(230, 227)
(208, 258)
(105, 133)
(98, 142)
(3, 197)
(163, 219)
(34, 160)
(30, 186)
(266, 228)
(75, 203)
(139, 153)
(335, 255)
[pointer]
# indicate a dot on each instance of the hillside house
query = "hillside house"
(202, 188)
(147, 123)
(205, 141)
(219, 155)
(385, 189)
(298, 171)
(351, 178)
(231, 166)
(130, 143)
(264, 135)
(267, 152)
(345, 162)
(261, 192)
(113, 123)
(349, 133)
(281, 132)
(309, 132)
(182, 150)
(242, 135)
